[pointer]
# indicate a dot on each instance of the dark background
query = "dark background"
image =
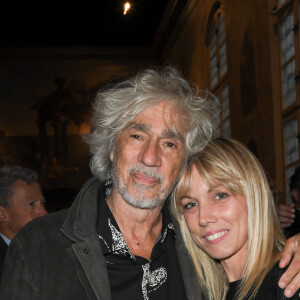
(48, 81)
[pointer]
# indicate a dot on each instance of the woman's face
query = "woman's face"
(217, 220)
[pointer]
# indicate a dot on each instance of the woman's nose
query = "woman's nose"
(206, 215)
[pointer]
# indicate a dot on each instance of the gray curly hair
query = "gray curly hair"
(116, 106)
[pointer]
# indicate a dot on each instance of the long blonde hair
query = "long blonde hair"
(227, 163)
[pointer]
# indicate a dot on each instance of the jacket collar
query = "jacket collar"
(82, 218)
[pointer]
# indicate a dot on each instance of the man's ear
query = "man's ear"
(3, 214)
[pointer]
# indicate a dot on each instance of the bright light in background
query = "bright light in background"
(126, 8)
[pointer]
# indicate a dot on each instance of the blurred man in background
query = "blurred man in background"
(21, 200)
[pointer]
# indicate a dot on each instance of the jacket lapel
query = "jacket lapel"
(89, 255)
(80, 227)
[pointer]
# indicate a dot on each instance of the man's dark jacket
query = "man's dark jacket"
(59, 256)
(3, 249)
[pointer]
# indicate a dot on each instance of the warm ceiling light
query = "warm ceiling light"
(126, 7)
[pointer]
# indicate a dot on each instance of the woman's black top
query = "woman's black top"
(269, 289)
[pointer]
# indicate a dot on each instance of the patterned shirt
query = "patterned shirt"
(132, 276)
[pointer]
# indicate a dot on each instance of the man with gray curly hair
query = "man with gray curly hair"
(118, 241)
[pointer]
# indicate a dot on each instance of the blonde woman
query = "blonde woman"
(229, 224)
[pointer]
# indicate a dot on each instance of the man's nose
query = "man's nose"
(150, 154)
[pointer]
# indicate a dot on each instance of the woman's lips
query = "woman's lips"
(217, 236)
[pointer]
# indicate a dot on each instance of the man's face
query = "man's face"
(26, 204)
(149, 154)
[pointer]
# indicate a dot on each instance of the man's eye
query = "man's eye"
(135, 136)
(170, 145)
(221, 196)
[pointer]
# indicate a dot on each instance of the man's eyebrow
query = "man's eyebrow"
(172, 134)
(166, 133)
(139, 126)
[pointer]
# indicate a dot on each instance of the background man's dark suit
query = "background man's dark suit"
(3, 249)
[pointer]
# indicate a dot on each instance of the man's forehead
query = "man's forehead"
(167, 114)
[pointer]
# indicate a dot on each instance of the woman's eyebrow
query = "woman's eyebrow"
(186, 197)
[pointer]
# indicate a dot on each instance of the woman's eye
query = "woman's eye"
(135, 136)
(189, 205)
(221, 196)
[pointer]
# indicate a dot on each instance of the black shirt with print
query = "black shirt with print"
(134, 277)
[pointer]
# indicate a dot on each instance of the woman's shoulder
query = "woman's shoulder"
(270, 289)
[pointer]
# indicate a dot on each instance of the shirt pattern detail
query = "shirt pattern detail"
(119, 245)
(152, 280)
(163, 237)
